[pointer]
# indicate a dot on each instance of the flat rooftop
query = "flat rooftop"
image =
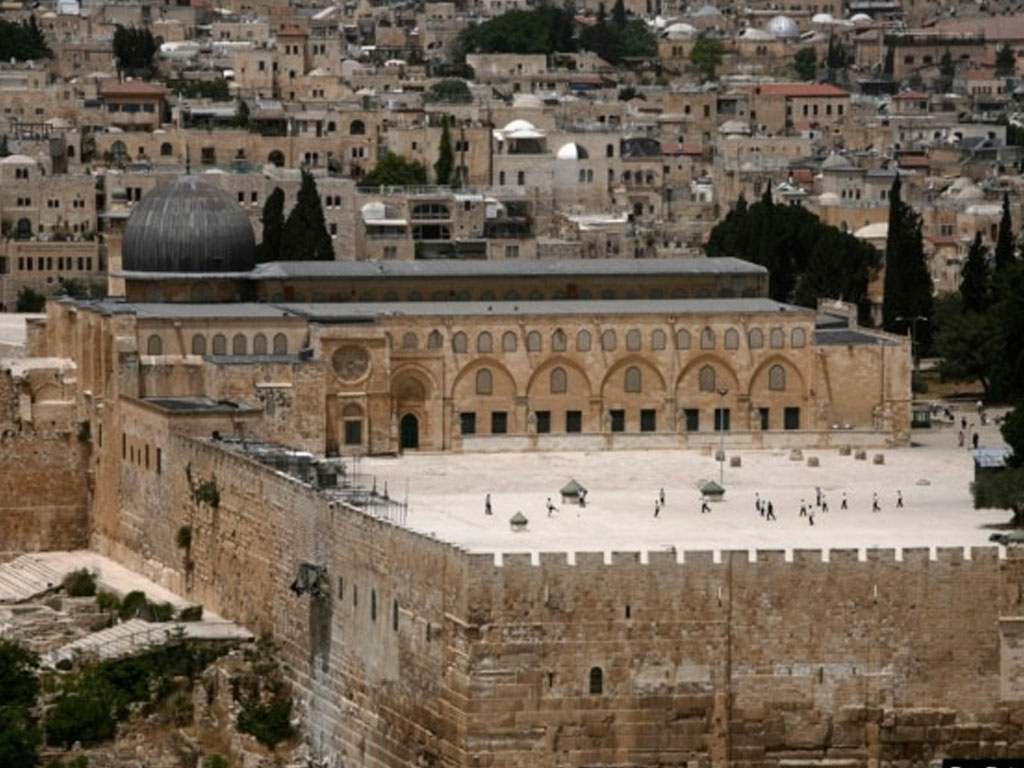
(446, 495)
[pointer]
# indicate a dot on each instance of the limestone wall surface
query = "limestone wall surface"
(423, 654)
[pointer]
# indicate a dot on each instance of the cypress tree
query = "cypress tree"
(619, 14)
(305, 231)
(1004, 240)
(445, 158)
(974, 278)
(273, 227)
(908, 284)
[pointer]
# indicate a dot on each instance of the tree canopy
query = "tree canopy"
(305, 236)
(451, 90)
(445, 157)
(273, 227)
(134, 50)
(22, 41)
(908, 283)
(805, 62)
(395, 171)
(1004, 489)
(806, 259)
(19, 687)
(706, 55)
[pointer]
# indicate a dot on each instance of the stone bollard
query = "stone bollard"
(719, 455)
(812, 461)
(860, 455)
(735, 461)
(844, 450)
(878, 458)
(796, 455)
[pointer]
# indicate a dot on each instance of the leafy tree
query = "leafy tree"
(706, 56)
(805, 62)
(134, 50)
(1006, 60)
(908, 284)
(1005, 246)
(451, 90)
(395, 171)
(215, 90)
(947, 71)
(889, 63)
(636, 41)
(805, 258)
(273, 227)
(546, 29)
(29, 300)
(974, 278)
(445, 158)
(19, 738)
(19, 687)
(305, 230)
(23, 41)
(967, 343)
(835, 56)
(1004, 489)
(241, 119)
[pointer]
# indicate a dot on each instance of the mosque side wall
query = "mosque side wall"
(368, 694)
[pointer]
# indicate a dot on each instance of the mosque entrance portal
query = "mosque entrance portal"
(410, 431)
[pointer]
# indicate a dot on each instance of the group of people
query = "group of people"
(767, 510)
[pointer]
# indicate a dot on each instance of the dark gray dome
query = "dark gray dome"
(188, 225)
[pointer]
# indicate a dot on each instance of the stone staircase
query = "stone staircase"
(25, 578)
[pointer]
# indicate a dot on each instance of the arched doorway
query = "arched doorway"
(409, 430)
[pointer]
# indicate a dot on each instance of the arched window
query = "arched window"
(755, 339)
(596, 681)
(259, 344)
(658, 339)
(410, 340)
(484, 343)
(434, 340)
(609, 150)
(459, 342)
(633, 340)
(373, 605)
(798, 338)
(682, 339)
(583, 341)
(706, 379)
(633, 380)
(155, 345)
(732, 339)
(484, 382)
(276, 158)
(609, 341)
(280, 344)
(558, 382)
(511, 295)
(220, 344)
(707, 339)
(777, 378)
(533, 341)
(559, 341)
(777, 338)
(357, 128)
(166, 150)
(394, 615)
(199, 344)
(508, 341)
(239, 346)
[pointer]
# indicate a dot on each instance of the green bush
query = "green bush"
(184, 537)
(192, 613)
(269, 723)
(108, 602)
(19, 738)
(87, 712)
(159, 612)
(133, 605)
(29, 300)
(215, 761)
(80, 583)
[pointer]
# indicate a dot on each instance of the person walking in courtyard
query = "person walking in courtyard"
(875, 507)
(824, 503)
(899, 499)
(487, 505)
(551, 507)
(803, 508)
(817, 495)
(704, 506)
(810, 517)
(974, 440)
(661, 497)
(657, 507)
(583, 498)
(757, 504)
(770, 512)
(960, 439)
(843, 504)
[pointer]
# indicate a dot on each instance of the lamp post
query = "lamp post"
(912, 327)
(722, 392)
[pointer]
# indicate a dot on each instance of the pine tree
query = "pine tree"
(273, 227)
(908, 284)
(619, 14)
(445, 158)
(305, 231)
(1004, 241)
(974, 278)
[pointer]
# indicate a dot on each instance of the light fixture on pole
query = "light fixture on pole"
(912, 327)
(722, 392)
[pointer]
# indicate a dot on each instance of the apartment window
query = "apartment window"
(574, 421)
(648, 420)
(543, 422)
(511, 251)
(617, 420)
(467, 423)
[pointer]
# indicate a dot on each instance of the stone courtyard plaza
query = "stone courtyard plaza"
(447, 492)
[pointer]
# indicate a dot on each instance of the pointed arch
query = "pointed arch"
(577, 380)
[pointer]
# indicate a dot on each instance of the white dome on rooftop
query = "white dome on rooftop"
(519, 125)
(753, 33)
(572, 151)
(822, 18)
(828, 198)
(783, 27)
(861, 18)
(680, 29)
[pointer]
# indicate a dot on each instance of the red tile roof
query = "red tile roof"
(675, 148)
(803, 175)
(913, 161)
(801, 90)
(291, 31)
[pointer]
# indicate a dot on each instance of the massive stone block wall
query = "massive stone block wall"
(705, 660)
